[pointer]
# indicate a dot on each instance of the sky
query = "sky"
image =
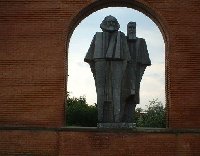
(81, 81)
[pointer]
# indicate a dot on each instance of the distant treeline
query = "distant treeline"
(79, 113)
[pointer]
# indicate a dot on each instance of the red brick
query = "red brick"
(33, 34)
(99, 143)
(28, 143)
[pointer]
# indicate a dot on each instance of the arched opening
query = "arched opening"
(153, 39)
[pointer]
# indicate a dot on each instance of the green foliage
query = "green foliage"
(79, 113)
(154, 116)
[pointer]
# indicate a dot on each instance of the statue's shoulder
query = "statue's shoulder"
(97, 33)
(141, 39)
(121, 33)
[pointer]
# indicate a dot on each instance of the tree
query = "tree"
(154, 116)
(79, 113)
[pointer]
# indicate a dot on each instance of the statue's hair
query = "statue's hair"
(103, 25)
(131, 23)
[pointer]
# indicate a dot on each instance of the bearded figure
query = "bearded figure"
(134, 72)
(108, 56)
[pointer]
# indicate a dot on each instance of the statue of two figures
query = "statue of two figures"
(117, 63)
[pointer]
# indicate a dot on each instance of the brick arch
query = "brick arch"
(139, 5)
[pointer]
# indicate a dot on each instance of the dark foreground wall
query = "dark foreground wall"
(91, 142)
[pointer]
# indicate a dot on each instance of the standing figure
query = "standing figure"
(134, 72)
(108, 56)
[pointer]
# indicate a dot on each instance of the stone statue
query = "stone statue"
(134, 72)
(117, 63)
(108, 56)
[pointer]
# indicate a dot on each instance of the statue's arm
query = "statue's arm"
(89, 56)
(144, 59)
(144, 55)
(142, 69)
(92, 67)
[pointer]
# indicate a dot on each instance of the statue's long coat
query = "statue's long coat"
(108, 46)
(108, 56)
(135, 68)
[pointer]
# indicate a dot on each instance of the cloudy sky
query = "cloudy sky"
(81, 82)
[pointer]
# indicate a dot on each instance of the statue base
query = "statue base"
(120, 125)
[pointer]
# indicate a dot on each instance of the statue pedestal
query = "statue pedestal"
(120, 125)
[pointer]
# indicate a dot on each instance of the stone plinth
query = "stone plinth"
(117, 125)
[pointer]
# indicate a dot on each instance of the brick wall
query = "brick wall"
(33, 35)
(96, 143)
(28, 143)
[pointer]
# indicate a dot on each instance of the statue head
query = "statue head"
(110, 24)
(131, 30)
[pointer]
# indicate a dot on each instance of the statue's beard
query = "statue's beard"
(111, 28)
(131, 36)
